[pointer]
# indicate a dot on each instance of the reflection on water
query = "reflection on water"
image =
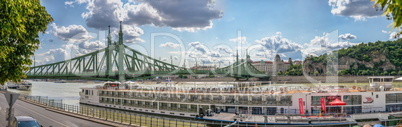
(68, 92)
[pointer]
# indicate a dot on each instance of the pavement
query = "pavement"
(51, 117)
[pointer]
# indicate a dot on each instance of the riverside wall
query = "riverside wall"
(291, 79)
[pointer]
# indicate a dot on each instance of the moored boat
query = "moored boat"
(24, 85)
(260, 104)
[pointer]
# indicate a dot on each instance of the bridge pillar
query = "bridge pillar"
(122, 75)
(108, 53)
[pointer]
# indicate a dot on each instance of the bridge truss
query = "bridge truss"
(120, 62)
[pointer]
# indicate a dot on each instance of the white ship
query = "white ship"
(329, 105)
(24, 85)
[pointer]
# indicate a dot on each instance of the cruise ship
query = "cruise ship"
(253, 101)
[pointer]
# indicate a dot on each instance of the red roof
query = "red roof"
(337, 102)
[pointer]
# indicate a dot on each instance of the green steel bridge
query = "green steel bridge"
(120, 62)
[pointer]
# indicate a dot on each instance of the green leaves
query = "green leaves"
(392, 10)
(20, 21)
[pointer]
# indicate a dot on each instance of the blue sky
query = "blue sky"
(210, 32)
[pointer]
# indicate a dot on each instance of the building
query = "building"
(273, 67)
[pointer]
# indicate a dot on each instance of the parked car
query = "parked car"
(24, 121)
(3, 87)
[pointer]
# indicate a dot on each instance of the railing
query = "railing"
(132, 118)
(120, 116)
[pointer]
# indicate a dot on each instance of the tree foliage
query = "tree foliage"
(21, 21)
(392, 10)
(294, 70)
(365, 52)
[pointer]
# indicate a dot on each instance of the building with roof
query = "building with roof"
(273, 67)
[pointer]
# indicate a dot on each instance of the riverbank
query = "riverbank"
(291, 79)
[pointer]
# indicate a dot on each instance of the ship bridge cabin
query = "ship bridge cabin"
(381, 83)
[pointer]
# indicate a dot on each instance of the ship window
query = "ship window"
(388, 80)
(217, 98)
(393, 108)
(353, 109)
(271, 100)
(316, 100)
(243, 99)
(352, 99)
(230, 99)
(271, 110)
(393, 98)
(256, 98)
(286, 100)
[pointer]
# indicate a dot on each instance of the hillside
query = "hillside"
(379, 58)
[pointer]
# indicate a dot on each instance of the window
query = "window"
(387, 79)
(230, 99)
(393, 98)
(316, 100)
(352, 99)
(353, 109)
(271, 110)
(392, 108)
(271, 100)
(286, 100)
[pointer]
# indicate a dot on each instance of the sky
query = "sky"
(211, 32)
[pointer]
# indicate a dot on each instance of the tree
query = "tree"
(20, 24)
(392, 10)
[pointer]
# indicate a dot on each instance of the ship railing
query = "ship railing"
(135, 119)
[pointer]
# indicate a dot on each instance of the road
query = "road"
(44, 117)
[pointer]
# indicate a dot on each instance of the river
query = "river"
(68, 92)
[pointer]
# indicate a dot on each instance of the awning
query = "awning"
(337, 102)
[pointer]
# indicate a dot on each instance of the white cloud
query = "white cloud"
(70, 3)
(323, 44)
(169, 44)
(76, 1)
(131, 34)
(224, 50)
(279, 44)
(71, 33)
(69, 51)
(189, 15)
(198, 46)
(394, 35)
(239, 40)
(102, 13)
(186, 15)
(175, 58)
(51, 56)
(357, 9)
(347, 36)
(215, 54)
(88, 47)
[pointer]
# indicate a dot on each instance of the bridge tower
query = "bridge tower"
(108, 53)
(120, 45)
